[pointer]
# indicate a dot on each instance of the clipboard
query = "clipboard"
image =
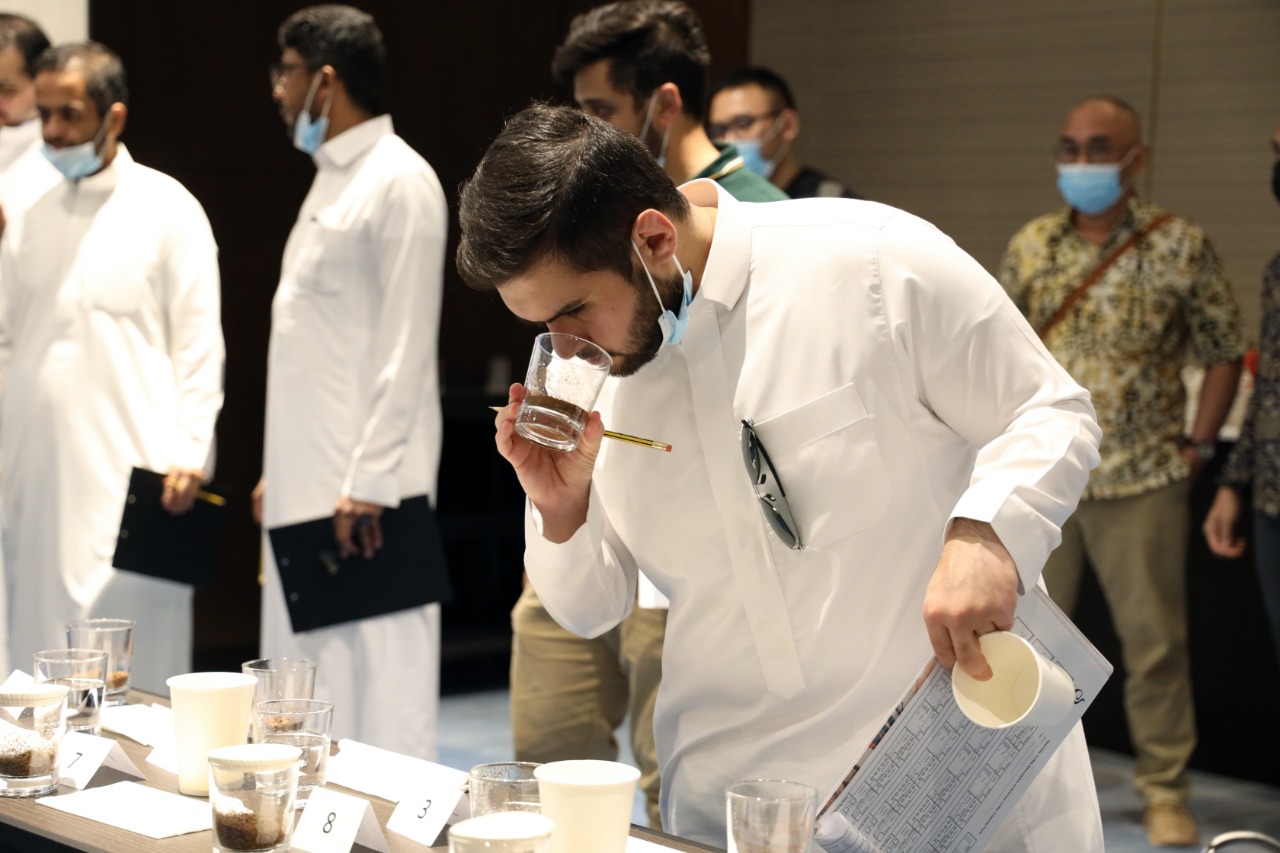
(153, 542)
(323, 589)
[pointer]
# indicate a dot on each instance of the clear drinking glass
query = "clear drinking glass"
(251, 792)
(32, 721)
(280, 678)
(84, 672)
(503, 786)
(770, 816)
(115, 637)
(305, 724)
(564, 379)
(502, 832)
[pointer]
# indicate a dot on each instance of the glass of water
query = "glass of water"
(84, 672)
(303, 723)
(503, 786)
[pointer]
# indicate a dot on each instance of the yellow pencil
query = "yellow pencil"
(622, 436)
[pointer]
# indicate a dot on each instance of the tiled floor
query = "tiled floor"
(476, 727)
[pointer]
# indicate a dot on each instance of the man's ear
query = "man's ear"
(117, 117)
(790, 129)
(667, 106)
(654, 236)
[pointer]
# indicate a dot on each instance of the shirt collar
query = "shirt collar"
(729, 261)
(22, 135)
(1136, 213)
(342, 150)
(728, 161)
(105, 180)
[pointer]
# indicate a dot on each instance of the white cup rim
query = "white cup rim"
(198, 681)
(569, 773)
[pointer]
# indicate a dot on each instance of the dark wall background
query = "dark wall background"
(201, 111)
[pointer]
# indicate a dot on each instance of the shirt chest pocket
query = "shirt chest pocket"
(829, 461)
(122, 288)
(328, 258)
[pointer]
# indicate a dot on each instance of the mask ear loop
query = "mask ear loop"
(666, 134)
(311, 95)
(645, 267)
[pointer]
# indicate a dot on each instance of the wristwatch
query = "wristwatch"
(1206, 450)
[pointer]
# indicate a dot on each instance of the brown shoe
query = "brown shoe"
(1170, 825)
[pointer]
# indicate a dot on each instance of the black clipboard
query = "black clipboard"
(155, 543)
(322, 589)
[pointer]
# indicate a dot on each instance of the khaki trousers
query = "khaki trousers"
(569, 694)
(1137, 547)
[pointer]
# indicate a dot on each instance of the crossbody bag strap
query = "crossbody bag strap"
(1096, 273)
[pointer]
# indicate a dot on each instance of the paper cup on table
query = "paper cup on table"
(1025, 688)
(769, 816)
(502, 832)
(589, 802)
(209, 711)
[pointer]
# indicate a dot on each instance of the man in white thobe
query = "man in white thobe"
(353, 403)
(930, 449)
(112, 355)
(24, 172)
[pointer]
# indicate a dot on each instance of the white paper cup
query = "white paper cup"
(502, 832)
(209, 711)
(589, 802)
(1025, 688)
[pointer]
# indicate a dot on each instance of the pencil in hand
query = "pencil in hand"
(621, 436)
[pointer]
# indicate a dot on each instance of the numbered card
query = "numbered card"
(81, 755)
(425, 810)
(333, 822)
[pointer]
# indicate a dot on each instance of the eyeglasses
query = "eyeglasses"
(1095, 151)
(739, 124)
(281, 70)
(769, 491)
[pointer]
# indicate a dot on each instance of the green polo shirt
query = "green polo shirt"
(739, 181)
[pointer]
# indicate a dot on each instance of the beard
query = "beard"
(644, 336)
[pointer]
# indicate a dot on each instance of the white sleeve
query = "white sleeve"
(970, 357)
(587, 584)
(196, 348)
(408, 247)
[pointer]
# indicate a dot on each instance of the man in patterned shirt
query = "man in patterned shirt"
(1161, 292)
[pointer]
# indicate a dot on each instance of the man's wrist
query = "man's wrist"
(1205, 450)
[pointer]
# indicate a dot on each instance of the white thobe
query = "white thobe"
(25, 175)
(894, 387)
(353, 408)
(112, 350)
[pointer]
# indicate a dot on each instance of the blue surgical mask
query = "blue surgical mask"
(666, 135)
(1092, 188)
(78, 161)
(753, 158)
(308, 133)
(672, 325)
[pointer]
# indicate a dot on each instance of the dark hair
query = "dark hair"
(104, 80)
(756, 75)
(649, 43)
(557, 183)
(26, 35)
(345, 38)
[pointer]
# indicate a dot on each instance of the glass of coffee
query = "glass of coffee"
(564, 379)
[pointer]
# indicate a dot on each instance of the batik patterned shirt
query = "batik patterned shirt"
(1127, 339)
(1255, 461)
